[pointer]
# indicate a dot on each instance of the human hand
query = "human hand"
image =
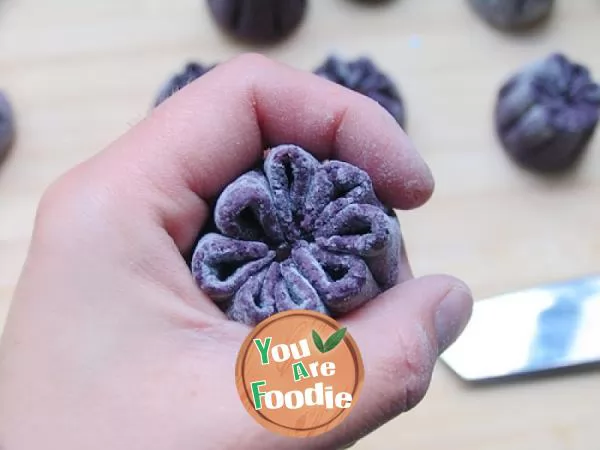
(110, 344)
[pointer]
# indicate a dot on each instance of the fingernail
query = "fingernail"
(452, 316)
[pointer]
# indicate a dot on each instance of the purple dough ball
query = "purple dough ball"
(258, 20)
(547, 113)
(190, 72)
(512, 14)
(7, 126)
(363, 76)
(298, 234)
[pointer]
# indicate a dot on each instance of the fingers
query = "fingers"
(213, 130)
(400, 335)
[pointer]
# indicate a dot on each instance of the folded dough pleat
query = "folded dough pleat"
(254, 302)
(221, 265)
(245, 210)
(296, 291)
(290, 172)
(336, 184)
(343, 282)
(368, 232)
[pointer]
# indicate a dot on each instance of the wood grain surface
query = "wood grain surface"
(80, 73)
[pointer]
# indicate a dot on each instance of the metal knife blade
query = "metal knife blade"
(555, 326)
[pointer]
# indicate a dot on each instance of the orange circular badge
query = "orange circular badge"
(299, 373)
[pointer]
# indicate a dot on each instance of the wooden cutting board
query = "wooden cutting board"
(81, 73)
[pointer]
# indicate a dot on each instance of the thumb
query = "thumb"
(400, 335)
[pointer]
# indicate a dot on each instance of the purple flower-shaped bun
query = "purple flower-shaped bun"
(512, 14)
(547, 113)
(190, 72)
(298, 234)
(363, 76)
(258, 21)
(7, 126)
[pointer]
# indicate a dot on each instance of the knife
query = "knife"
(541, 329)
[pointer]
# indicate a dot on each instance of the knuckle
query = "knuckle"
(55, 195)
(65, 203)
(254, 61)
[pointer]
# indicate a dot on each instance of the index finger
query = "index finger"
(216, 128)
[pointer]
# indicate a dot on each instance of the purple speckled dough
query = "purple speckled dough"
(512, 14)
(363, 76)
(190, 72)
(7, 126)
(258, 20)
(547, 113)
(298, 234)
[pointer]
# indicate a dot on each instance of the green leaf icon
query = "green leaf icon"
(318, 341)
(334, 340)
(331, 343)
